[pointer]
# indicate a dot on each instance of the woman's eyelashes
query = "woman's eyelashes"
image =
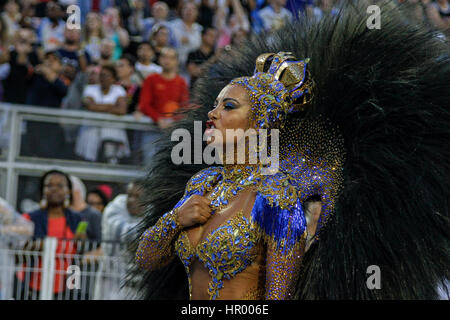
(226, 105)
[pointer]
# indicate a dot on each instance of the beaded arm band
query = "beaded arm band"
(282, 270)
(156, 245)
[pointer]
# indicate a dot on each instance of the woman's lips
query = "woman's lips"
(210, 126)
(209, 132)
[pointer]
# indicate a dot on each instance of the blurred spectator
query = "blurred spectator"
(5, 68)
(73, 99)
(88, 6)
(135, 23)
(163, 94)
(160, 12)
(71, 52)
(228, 24)
(106, 96)
(301, 7)
(88, 213)
(29, 18)
(93, 35)
(12, 224)
(238, 37)
(106, 51)
(206, 53)
(11, 17)
(275, 15)
(4, 41)
(54, 219)
(416, 10)
(47, 89)
(187, 33)
(114, 31)
(98, 198)
(439, 14)
(145, 66)
(14, 229)
(206, 13)
(122, 215)
(119, 221)
(51, 29)
(323, 8)
(159, 39)
(23, 58)
(125, 72)
(111, 143)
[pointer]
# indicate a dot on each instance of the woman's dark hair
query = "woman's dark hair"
(130, 58)
(156, 28)
(111, 69)
(100, 194)
(48, 173)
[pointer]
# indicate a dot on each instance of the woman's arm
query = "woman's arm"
(156, 247)
(283, 262)
(282, 270)
(281, 218)
(120, 108)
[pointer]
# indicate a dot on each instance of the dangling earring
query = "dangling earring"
(67, 202)
(43, 204)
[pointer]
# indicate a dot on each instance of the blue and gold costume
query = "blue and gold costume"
(276, 225)
(387, 92)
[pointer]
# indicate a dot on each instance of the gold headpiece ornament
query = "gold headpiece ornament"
(283, 88)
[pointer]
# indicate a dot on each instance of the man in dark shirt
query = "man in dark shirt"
(47, 89)
(22, 60)
(206, 53)
(44, 139)
(70, 51)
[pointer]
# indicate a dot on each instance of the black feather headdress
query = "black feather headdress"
(388, 92)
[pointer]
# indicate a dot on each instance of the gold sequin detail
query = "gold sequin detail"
(156, 243)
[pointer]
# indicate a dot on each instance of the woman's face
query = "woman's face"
(93, 21)
(106, 78)
(56, 189)
(95, 201)
(12, 7)
(162, 37)
(231, 111)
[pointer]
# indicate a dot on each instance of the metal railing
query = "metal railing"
(56, 269)
(14, 120)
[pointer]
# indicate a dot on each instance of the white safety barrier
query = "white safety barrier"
(55, 269)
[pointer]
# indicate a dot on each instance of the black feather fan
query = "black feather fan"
(388, 92)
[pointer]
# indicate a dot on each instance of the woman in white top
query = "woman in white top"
(110, 98)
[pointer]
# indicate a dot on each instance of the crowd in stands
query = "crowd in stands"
(67, 211)
(138, 57)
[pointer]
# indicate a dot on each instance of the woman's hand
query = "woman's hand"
(195, 210)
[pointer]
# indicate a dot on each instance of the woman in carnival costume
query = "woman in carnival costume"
(363, 119)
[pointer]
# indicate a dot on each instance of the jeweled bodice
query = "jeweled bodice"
(225, 252)
(231, 247)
